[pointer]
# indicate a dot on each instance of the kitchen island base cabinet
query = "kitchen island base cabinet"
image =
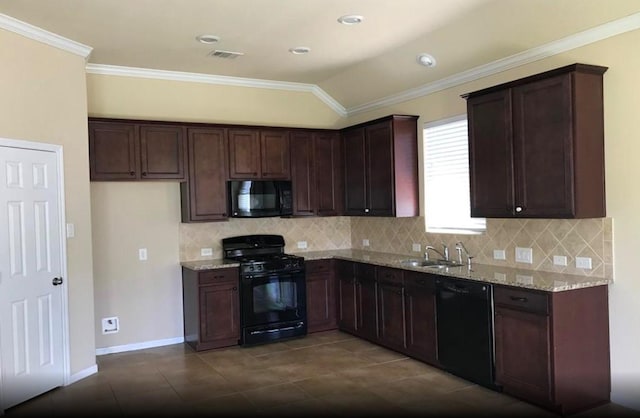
(211, 308)
(552, 349)
(321, 299)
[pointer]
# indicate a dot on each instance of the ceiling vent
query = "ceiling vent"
(219, 53)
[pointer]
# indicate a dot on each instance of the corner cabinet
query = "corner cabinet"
(136, 150)
(536, 146)
(552, 349)
(204, 195)
(259, 154)
(211, 306)
(381, 167)
(316, 173)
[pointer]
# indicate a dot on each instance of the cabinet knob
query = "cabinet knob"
(366, 210)
(132, 173)
(144, 174)
(518, 209)
(234, 288)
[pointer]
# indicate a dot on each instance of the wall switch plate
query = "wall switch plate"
(583, 262)
(71, 230)
(110, 325)
(559, 260)
(524, 255)
(416, 247)
(302, 244)
(365, 242)
(499, 255)
(206, 252)
(142, 254)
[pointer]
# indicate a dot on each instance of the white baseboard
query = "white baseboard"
(82, 374)
(138, 346)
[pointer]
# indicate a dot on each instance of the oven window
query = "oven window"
(274, 296)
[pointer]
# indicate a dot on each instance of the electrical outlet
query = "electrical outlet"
(583, 263)
(110, 325)
(416, 247)
(302, 244)
(71, 231)
(499, 255)
(365, 242)
(559, 260)
(524, 255)
(142, 254)
(501, 277)
(206, 252)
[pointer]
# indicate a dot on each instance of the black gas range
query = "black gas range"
(272, 288)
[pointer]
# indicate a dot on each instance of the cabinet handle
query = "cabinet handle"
(366, 210)
(518, 209)
(132, 173)
(144, 174)
(234, 288)
(421, 281)
(519, 299)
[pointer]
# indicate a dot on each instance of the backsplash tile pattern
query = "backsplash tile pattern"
(322, 233)
(547, 237)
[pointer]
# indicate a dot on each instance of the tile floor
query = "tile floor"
(324, 374)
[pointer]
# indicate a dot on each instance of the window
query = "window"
(446, 172)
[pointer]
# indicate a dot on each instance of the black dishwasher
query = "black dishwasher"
(465, 329)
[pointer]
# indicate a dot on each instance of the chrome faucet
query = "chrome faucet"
(445, 255)
(459, 248)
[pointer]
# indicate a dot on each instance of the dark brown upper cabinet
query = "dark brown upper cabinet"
(316, 173)
(259, 154)
(132, 150)
(381, 167)
(204, 195)
(536, 146)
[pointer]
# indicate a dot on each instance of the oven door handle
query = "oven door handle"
(267, 331)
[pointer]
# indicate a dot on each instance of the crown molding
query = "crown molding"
(217, 79)
(589, 36)
(41, 35)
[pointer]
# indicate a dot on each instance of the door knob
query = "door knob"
(56, 281)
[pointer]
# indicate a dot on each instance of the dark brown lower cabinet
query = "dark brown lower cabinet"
(552, 349)
(366, 301)
(346, 295)
(211, 308)
(420, 316)
(391, 308)
(321, 295)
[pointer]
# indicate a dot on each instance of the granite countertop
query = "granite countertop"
(530, 279)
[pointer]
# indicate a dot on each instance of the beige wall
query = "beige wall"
(43, 99)
(153, 99)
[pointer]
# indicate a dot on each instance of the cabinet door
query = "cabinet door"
(219, 313)
(420, 304)
(392, 315)
(522, 344)
(543, 148)
(355, 181)
(346, 295)
(244, 154)
(274, 154)
(113, 151)
(302, 174)
(327, 161)
(379, 169)
(321, 308)
(491, 155)
(204, 195)
(162, 152)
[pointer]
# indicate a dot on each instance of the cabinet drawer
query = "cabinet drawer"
(415, 279)
(217, 276)
(390, 275)
(524, 300)
(365, 271)
(318, 266)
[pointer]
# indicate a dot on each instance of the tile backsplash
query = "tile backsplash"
(546, 237)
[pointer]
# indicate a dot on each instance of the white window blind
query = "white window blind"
(446, 159)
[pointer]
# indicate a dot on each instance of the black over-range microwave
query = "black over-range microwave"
(259, 198)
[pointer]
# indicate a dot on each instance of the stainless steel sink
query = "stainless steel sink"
(436, 264)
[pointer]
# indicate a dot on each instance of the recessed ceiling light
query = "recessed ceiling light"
(299, 50)
(426, 60)
(350, 19)
(208, 39)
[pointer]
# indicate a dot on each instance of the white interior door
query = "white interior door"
(31, 304)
